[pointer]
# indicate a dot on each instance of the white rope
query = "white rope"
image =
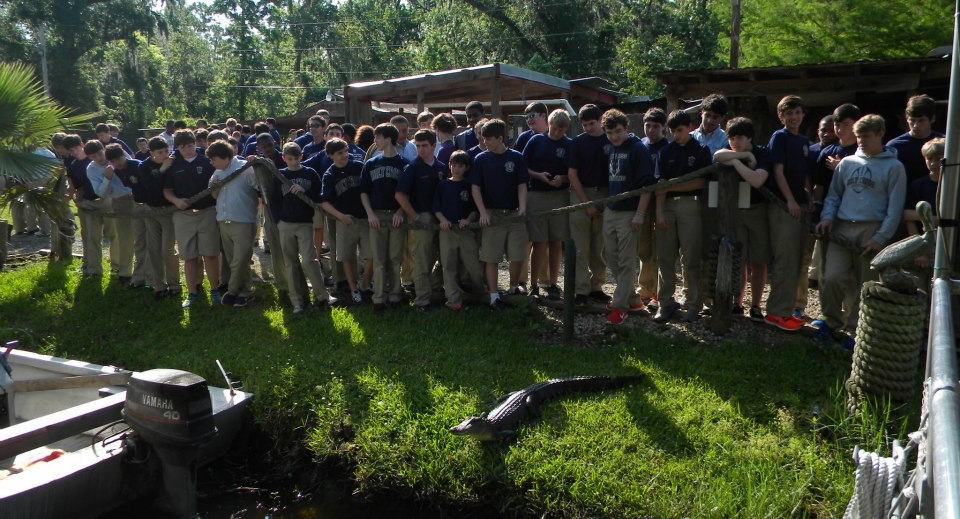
(877, 480)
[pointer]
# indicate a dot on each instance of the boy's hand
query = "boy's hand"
(464, 223)
(824, 227)
(871, 247)
(346, 219)
(484, 219)
(794, 209)
(296, 188)
(922, 262)
(373, 221)
(832, 161)
(593, 212)
(445, 224)
(108, 171)
(167, 162)
(637, 221)
(397, 219)
(661, 224)
(181, 204)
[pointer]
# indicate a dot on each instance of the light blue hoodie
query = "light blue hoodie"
(868, 189)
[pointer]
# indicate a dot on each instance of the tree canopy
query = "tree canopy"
(141, 61)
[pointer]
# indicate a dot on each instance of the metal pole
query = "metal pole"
(569, 287)
(944, 459)
(947, 210)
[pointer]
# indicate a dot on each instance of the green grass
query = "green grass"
(739, 430)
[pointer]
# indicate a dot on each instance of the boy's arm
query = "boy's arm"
(405, 205)
(481, 207)
(725, 155)
(175, 200)
(754, 177)
(574, 176)
(897, 188)
(371, 216)
(641, 215)
(792, 206)
(522, 197)
(332, 211)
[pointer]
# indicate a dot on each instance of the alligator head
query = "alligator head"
(476, 427)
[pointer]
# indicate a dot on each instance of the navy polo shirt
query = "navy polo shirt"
(630, 167)
(677, 160)
(821, 175)
(910, 154)
(419, 182)
(187, 178)
(379, 180)
(341, 188)
(793, 152)
(454, 199)
(77, 171)
(498, 175)
(147, 184)
(289, 208)
(590, 157)
(551, 156)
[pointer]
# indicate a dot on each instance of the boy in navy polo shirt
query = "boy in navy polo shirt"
(588, 175)
(678, 219)
(654, 138)
(630, 167)
(340, 198)
(789, 158)
(535, 114)
(499, 177)
(445, 125)
(921, 113)
(470, 137)
(164, 266)
(295, 224)
(130, 229)
(454, 208)
(195, 225)
(378, 183)
(415, 193)
(753, 229)
(924, 189)
(547, 165)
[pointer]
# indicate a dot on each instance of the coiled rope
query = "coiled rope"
(888, 342)
(877, 482)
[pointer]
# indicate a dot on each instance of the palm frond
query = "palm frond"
(46, 199)
(25, 166)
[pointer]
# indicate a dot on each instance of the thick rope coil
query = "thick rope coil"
(888, 342)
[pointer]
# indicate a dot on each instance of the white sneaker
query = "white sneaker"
(298, 309)
(357, 297)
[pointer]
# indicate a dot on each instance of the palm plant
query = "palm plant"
(28, 117)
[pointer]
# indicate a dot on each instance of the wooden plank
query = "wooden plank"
(727, 197)
(49, 384)
(38, 432)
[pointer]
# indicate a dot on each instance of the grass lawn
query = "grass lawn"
(739, 430)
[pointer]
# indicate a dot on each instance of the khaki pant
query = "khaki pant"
(164, 264)
(296, 245)
(809, 266)
(786, 247)
(141, 262)
(587, 234)
(647, 252)
(844, 272)
(236, 238)
(682, 237)
(620, 249)
(424, 255)
(93, 227)
(386, 244)
(459, 247)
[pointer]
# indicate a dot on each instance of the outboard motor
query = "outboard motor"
(171, 410)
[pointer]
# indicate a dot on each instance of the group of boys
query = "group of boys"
(853, 186)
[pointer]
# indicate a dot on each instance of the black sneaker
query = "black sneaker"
(160, 295)
(239, 301)
(581, 300)
(124, 280)
(756, 315)
(737, 310)
(599, 295)
(229, 299)
(378, 308)
(554, 292)
(499, 304)
(426, 309)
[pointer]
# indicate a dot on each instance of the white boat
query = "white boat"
(66, 451)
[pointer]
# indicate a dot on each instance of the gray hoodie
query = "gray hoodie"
(868, 189)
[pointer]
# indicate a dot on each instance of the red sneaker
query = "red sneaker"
(786, 323)
(616, 316)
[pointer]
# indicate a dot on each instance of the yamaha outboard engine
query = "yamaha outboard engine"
(171, 410)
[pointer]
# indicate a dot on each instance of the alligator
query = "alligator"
(499, 423)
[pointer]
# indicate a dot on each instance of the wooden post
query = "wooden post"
(569, 288)
(727, 195)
